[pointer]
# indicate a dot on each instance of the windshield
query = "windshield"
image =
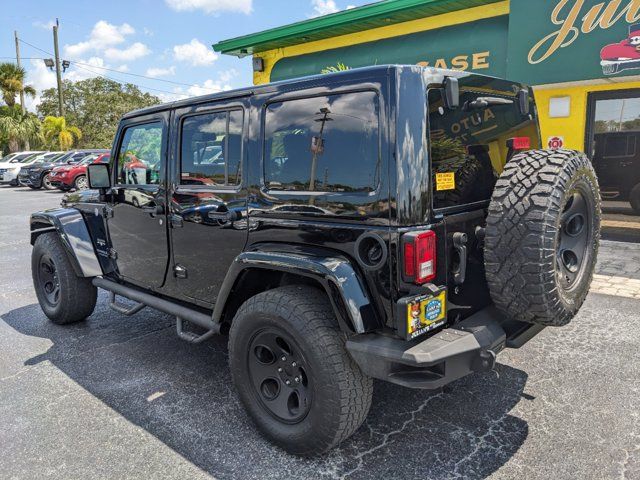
(9, 158)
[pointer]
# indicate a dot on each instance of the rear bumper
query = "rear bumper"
(469, 346)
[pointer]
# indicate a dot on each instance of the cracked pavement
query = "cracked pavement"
(117, 397)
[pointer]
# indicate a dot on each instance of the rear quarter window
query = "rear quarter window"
(323, 144)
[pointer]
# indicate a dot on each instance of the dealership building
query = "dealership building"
(581, 56)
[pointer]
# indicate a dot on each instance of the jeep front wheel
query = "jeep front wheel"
(292, 371)
(543, 232)
(63, 296)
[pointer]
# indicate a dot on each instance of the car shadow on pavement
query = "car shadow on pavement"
(182, 395)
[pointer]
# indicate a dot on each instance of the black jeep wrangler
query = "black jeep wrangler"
(393, 222)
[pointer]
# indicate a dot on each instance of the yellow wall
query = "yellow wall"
(572, 128)
(463, 16)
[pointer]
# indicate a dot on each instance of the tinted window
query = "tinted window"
(620, 145)
(469, 144)
(139, 158)
(211, 149)
(327, 143)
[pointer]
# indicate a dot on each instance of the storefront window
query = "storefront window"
(615, 153)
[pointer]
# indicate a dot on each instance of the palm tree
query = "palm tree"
(12, 83)
(18, 128)
(58, 135)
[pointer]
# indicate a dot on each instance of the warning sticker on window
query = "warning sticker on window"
(445, 181)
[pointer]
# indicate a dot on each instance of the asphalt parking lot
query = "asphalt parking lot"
(117, 397)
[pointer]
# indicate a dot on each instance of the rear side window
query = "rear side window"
(139, 159)
(211, 149)
(469, 144)
(323, 144)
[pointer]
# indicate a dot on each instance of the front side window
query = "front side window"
(211, 150)
(469, 145)
(323, 144)
(139, 158)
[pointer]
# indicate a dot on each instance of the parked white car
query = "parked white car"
(10, 165)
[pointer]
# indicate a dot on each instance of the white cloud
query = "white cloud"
(40, 78)
(209, 86)
(195, 52)
(212, 6)
(160, 72)
(44, 25)
(323, 7)
(103, 35)
(349, 7)
(133, 52)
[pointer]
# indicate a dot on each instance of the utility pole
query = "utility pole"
(15, 33)
(58, 73)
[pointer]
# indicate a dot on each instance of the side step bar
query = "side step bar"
(144, 299)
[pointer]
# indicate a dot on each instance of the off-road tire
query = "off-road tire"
(634, 199)
(525, 230)
(474, 182)
(33, 187)
(77, 296)
(341, 393)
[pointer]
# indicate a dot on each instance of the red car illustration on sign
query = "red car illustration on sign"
(624, 55)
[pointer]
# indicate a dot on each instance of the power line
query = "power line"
(122, 82)
(120, 72)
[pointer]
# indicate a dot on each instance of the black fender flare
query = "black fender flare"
(74, 234)
(346, 292)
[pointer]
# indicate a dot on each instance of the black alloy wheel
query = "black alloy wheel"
(574, 238)
(48, 280)
(278, 372)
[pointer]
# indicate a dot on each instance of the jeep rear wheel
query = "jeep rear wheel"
(63, 296)
(542, 237)
(293, 373)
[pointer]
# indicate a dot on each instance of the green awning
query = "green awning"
(380, 14)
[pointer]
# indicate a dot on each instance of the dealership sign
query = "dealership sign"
(568, 40)
(479, 47)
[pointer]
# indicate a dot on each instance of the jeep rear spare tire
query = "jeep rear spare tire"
(292, 372)
(542, 236)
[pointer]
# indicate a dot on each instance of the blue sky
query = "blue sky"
(168, 40)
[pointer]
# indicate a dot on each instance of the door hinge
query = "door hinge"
(107, 212)
(179, 271)
(113, 254)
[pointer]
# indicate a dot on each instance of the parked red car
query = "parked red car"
(66, 177)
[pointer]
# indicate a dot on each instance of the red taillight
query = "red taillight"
(419, 257)
(519, 143)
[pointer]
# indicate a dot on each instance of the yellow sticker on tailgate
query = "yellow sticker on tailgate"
(445, 181)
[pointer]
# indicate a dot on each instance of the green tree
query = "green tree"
(17, 128)
(95, 106)
(58, 135)
(12, 83)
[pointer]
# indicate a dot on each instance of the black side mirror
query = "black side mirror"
(523, 102)
(99, 176)
(451, 93)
